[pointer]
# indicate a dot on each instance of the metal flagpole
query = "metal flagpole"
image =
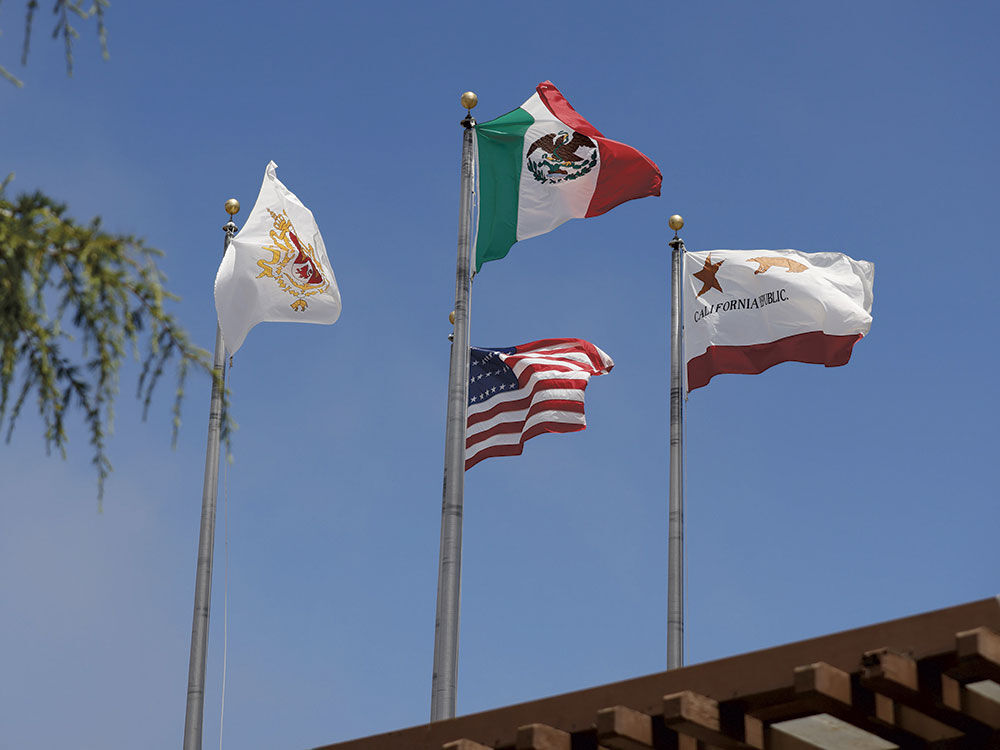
(194, 713)
(675, 553)
(444, 683)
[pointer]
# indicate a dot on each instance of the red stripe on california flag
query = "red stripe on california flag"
(625, 173)
(515, 449)
(815, 348)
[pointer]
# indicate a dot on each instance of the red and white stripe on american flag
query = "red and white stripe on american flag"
(552, 375)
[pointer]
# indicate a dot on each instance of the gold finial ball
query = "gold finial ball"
(451, 317)
(676, 222)
(232, 206)
(469, 99)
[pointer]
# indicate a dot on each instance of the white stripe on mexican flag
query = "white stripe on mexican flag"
(543, 164)
(748, 310)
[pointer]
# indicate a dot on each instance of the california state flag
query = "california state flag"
(543, 164)
(276, 268)
(748, 310)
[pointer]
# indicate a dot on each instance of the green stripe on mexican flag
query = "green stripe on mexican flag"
(543, 164)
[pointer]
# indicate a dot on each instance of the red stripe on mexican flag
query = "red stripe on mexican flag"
(544, 164)
(748, 310)
(623, 172)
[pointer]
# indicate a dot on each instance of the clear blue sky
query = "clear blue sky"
(817, 499)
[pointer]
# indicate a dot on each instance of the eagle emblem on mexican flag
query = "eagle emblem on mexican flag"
(557, 157)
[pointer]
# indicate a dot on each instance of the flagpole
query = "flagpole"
(675, 531)
(195, 710)
(444, 682)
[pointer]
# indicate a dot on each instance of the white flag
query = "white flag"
(748, 310)
(276, 268)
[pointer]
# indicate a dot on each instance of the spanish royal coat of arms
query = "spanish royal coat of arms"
(293, 265)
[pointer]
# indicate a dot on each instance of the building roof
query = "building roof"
(927, 681)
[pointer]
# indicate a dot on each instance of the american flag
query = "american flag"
(523, 391)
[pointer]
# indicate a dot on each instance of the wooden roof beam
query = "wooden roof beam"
(896, 677)
(697, 716)
(464, 744)
(979, 700)
(824, 732)
(822, 689)
(543, 737)
(978, 653)
(816, 688)
(623, 728)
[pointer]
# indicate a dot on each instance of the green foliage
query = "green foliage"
(66, 286)
(66, 13)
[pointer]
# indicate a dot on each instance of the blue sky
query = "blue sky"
(816, 499)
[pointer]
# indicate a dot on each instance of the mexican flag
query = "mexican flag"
(543, 164)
